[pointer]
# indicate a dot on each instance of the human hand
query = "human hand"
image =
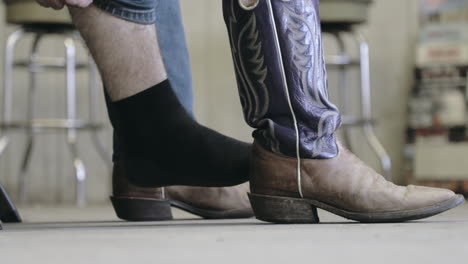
(59, 4)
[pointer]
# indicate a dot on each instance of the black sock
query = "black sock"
(159, 144)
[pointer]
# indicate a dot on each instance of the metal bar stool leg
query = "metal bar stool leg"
(343, 88)
(23, 175)
(80, 170)
(366, 103)
(8, 85)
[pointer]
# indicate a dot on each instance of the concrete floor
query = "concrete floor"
(94, 235)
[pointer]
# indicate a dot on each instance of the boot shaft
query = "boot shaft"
(280, 69)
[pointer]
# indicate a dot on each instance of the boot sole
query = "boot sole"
(285, 210)
(213, 214)
(141, 209)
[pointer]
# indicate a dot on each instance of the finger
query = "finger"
(79, 3)
(57, 4)
(43, 3)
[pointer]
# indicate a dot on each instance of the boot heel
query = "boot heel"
(139, 209)
(283, 210)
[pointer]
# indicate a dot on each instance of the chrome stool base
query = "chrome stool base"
(70, 125)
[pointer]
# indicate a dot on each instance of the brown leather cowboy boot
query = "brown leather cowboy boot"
(296, 165)
(343, 185)
(145, 200)
(134, 203)
(176, 150)
(212, 202)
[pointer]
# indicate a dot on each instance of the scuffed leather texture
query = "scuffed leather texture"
(122, 187)
(280, 70)
(212, 198)
(209, 198)
(344, 182)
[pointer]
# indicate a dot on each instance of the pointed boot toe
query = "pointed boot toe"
(426, 196)
(432, 201)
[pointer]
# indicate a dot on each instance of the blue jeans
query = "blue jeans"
(174, 50)
(138, 11)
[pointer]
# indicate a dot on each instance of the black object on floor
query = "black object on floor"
(8, 211)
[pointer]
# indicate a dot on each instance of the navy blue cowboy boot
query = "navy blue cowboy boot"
(297, 165)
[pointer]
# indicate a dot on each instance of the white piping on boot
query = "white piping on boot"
(285, 83)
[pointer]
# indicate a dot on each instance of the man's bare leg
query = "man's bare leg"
(156, 141)
(127, 53)
(161, 143)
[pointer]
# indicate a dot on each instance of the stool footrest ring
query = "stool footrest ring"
(39, 124)
(353, 121)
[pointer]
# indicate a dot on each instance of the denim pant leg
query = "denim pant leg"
(138, 11)
(174, 50)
